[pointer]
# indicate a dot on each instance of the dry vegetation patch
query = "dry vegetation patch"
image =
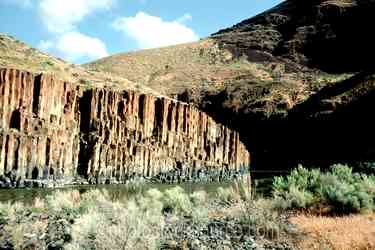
(337, 233)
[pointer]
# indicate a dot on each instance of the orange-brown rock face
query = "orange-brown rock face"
(39, 128)
(53, 132)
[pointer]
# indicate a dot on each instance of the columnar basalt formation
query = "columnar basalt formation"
(54, 132)
(39, 128)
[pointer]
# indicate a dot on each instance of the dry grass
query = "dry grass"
(337, 233)
(173, 69)
(201, 65)
(239, 191)
(22, 233)
(18, 55)
(205, 67)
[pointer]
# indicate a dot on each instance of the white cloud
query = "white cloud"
(151, 31)
(62, 15)
(186, 17)
(74, 46)
(61, 18)
(20, 3)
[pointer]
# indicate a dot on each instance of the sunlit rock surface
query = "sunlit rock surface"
(55, 133)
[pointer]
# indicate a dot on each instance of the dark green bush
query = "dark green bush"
(365, 167)
(338, 188)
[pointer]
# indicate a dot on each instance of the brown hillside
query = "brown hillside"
(18, 55)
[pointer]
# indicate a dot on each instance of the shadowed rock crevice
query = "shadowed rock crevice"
(36, 93)
(141, 110)
(85, 111)
(15, 120)
(35, 173)
(48, 151)
(84, 148)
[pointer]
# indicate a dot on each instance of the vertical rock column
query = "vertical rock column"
(38, 128)
(53, 131)
(130, 134)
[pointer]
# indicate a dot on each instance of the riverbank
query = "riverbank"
(300, 214)
(172, 219)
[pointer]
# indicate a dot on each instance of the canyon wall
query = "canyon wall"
(54, 133)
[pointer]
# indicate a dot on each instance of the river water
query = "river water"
(261, 185)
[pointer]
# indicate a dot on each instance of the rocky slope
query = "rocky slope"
(331, 35)
(268, 78)
(52, 132)
(333, 123)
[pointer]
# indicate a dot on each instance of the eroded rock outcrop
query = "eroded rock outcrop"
(53, 132)
(332, 36)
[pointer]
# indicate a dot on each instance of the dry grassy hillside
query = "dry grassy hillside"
(18, 55)
(199, 65)
(194, 70)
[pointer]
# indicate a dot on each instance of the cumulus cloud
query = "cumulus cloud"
(74, 46)
(61, 18)
(152, 31)
(62, 15)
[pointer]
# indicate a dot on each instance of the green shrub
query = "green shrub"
(47, 64)
(11, 213)
(4, 208)
(64, 201)
(92, 220)
(137, 224)
(199, 198)
(300, 177)
(242, 187)
(348, 194)
(176, 200)
(343, 173)
(91, 199)
(294, 197)
(262, 218)
(339, 187)
(200, 210)
(368, 183)
(150, 204)
(135, 187)
(226, 195)
(113, 225)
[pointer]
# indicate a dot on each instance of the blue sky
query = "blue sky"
(83, 30)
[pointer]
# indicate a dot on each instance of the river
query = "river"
(261, 185)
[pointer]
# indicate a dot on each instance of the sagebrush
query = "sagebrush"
(339, 188)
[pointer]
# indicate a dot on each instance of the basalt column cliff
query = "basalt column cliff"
(55, 133)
